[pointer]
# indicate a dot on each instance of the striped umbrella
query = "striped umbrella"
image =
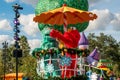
(64, 16)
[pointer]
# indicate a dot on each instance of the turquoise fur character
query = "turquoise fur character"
(44, 67)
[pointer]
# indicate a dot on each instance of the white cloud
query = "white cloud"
(95, 2)
(29, 26)
(8, 1)
(31, 2)
(116, 22)
(5, 25)
(34, 43)
(103, 20)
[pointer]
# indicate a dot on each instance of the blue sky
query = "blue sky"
(108, 21)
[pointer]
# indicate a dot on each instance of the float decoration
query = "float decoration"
(93, 57)
(58, 16)
(103, 67)
(48, 44)
(65, 61)
(41, 52)
(46, 5)
(50, 68)
(70, 38)
(95, 54)
(83, 43)
(64, 16)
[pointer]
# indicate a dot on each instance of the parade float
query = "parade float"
(63, 52)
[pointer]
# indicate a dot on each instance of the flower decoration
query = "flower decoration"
(65, 61)
(40, 72)
(50, 68)
(79, 61)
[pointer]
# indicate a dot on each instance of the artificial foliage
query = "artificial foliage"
(41, 52)
(46, 5)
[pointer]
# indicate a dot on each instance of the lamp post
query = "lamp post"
(5, 46)
(17, 52)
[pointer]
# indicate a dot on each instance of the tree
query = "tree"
(27, 63)
(1, 64)
(5, 60)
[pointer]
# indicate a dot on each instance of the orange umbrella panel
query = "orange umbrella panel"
(60, 15)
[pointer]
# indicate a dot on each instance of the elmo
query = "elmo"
(70, 40)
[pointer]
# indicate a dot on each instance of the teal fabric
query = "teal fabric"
(46, 43)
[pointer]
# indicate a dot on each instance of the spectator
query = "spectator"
(118, 78)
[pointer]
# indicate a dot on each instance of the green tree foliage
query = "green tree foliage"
(5, 60)
(109, 49)
(24, 46)
(1, 65)
(27, 64)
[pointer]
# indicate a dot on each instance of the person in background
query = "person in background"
(118, 78)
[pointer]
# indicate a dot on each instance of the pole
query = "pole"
(16, 67)
(17, 51)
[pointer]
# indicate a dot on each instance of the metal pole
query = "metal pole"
(16, 36)
(5, 45)
(16, 67)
